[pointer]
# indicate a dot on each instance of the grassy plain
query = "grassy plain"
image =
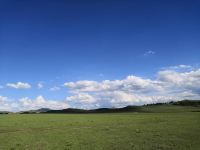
(115, 131)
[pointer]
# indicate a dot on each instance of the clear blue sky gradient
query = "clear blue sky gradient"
(57, 41)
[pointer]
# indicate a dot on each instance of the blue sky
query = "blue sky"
(56, 42)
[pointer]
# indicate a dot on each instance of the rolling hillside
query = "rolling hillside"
(180, 106)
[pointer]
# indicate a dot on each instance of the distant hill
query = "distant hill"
(4, 112)
(99, 110)
(41, 110)
(178, 106)
(187, 103)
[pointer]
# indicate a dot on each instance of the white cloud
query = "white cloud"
(149, 52)
(128, 84)
(19, 85)
(6, 104)
(40, 102)
(26, 103)
(84, 85)
(185, 81)
(3, 99)
(169, 85)
(121, 99)
(40, 85)
(82, 98)
(55, 88)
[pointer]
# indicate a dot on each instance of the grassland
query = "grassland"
(168, 130)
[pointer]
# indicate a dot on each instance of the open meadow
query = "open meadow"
(114, 131)
(99, 74)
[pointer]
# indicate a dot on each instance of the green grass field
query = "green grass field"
(119, 131)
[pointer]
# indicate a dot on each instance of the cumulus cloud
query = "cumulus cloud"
(6, 104)
(3, 99)
(82, 98)
(169, 84)
(133, 90)
(185, 81)
(19, 85)
(129, 84)
(40, 102)
(26, 103)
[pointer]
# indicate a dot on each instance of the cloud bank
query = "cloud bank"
(172, 83)
(26, 103)
(133, 90)
(40, 102)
